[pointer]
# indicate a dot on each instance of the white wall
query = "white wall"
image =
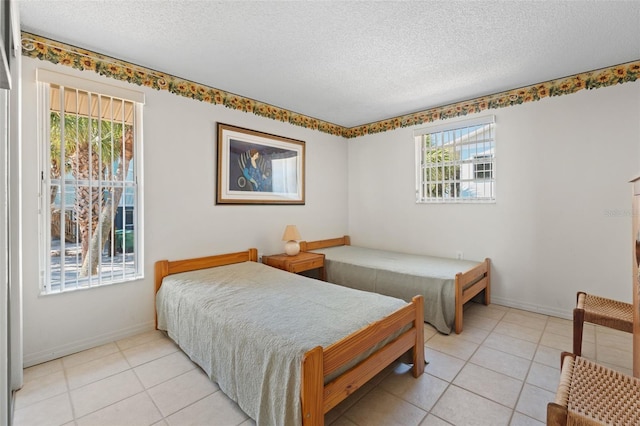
(561, 223)
(180, 218)
(562, 219)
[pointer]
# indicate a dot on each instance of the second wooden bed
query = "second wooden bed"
(320, 388)
(445, 284)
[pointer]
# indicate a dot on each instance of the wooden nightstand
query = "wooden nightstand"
(303, 261)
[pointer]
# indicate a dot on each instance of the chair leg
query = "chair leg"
(578, 325)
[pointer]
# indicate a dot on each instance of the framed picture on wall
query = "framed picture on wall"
(259, 168)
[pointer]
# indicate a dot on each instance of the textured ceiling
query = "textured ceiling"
(350, 62)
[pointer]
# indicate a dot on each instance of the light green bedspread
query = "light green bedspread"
(400, 275)
(248, 326)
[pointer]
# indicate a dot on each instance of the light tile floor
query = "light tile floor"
(502, 369)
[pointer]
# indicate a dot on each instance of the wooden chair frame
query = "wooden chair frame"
(601, 311)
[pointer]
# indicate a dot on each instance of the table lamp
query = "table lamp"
(291, 235)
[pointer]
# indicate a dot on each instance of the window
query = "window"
(456, 163)
(483, 168)
(90, 195)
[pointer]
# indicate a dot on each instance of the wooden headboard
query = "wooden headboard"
(320, 244)
(166, 267)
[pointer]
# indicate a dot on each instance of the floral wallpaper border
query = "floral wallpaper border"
(38, 47)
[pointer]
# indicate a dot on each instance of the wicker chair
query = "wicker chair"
(590, 394)
(601, 311)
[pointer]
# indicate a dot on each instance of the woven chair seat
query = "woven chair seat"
(602, 311)
(609, 313)
(591, 394)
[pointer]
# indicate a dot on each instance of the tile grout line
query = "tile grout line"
(468, 361)
(526, 376)
(530, 361)
(76, 418)
(130, 368)
(71, 404)
(450, 383)
(144, 388)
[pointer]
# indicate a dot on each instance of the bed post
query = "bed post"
(459, 304)
(311, 389)
(347, 240)
(253, 255)
(161, 271)
(418, 349)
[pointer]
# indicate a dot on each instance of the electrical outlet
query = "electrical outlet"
(459, 255)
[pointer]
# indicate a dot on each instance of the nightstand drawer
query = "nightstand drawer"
(306, 265)
(301, 262)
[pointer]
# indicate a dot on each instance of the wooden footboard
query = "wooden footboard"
(469, 284)
(318, 398)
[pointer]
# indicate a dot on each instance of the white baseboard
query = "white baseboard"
(545, 310)
(81, 345)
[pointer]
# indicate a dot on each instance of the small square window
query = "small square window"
(456, 163)
(483, 167)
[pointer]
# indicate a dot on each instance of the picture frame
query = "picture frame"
(259, 168)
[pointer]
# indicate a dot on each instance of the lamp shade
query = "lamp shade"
(291, 233)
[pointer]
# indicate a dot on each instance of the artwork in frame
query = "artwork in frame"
(259, 168)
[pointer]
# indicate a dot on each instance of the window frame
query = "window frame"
(484, 170)
(45, 79)
(450, 167)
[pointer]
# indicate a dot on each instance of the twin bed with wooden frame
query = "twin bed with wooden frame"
(327, 374)
(445, 284)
